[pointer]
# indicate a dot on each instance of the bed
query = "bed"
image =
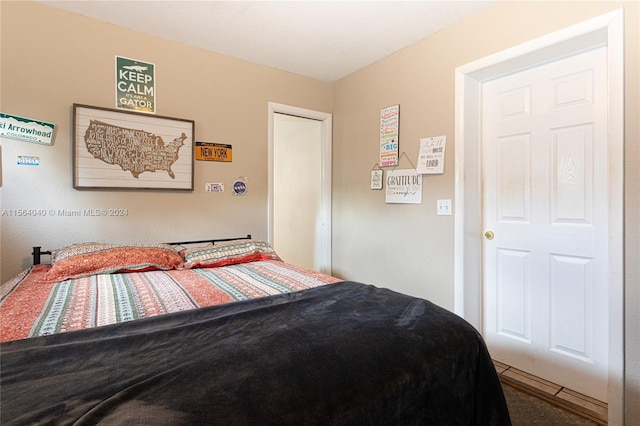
(226, 333)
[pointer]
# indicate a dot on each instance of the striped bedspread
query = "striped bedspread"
(30, 307)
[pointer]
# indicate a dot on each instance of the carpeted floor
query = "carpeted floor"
(529, 410)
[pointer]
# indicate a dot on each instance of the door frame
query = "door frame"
(603, 30)
(324, 257)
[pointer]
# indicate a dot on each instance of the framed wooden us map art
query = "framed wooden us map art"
(113, 149)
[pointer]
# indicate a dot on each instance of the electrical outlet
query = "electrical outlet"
(444, 207)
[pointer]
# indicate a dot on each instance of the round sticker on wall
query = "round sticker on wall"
(240, 186)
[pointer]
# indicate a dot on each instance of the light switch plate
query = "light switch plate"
(444, 208)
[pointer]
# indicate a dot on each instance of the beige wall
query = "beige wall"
(409, 247)
(52, 59)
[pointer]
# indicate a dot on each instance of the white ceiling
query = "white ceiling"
(326, 40)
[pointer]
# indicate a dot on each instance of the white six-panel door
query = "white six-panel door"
(545, 201)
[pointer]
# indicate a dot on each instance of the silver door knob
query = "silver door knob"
(489, 235)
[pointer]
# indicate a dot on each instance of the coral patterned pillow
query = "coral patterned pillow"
(234, 252)
(81, 260)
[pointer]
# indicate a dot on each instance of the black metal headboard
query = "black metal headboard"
(38, 252)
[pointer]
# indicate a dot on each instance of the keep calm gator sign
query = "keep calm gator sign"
(135, 85)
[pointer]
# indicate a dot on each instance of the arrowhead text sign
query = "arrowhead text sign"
(26, 129)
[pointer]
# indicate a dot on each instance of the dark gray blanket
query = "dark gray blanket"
(342, 354)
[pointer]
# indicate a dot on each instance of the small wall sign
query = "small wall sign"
(404, 186)
(28, 160)
(214, 187)
(26, 129)
(389, 135)
(376, 179)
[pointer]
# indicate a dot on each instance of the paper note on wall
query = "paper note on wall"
(431, 155)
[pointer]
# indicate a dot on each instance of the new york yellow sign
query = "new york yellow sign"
(213, 152)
